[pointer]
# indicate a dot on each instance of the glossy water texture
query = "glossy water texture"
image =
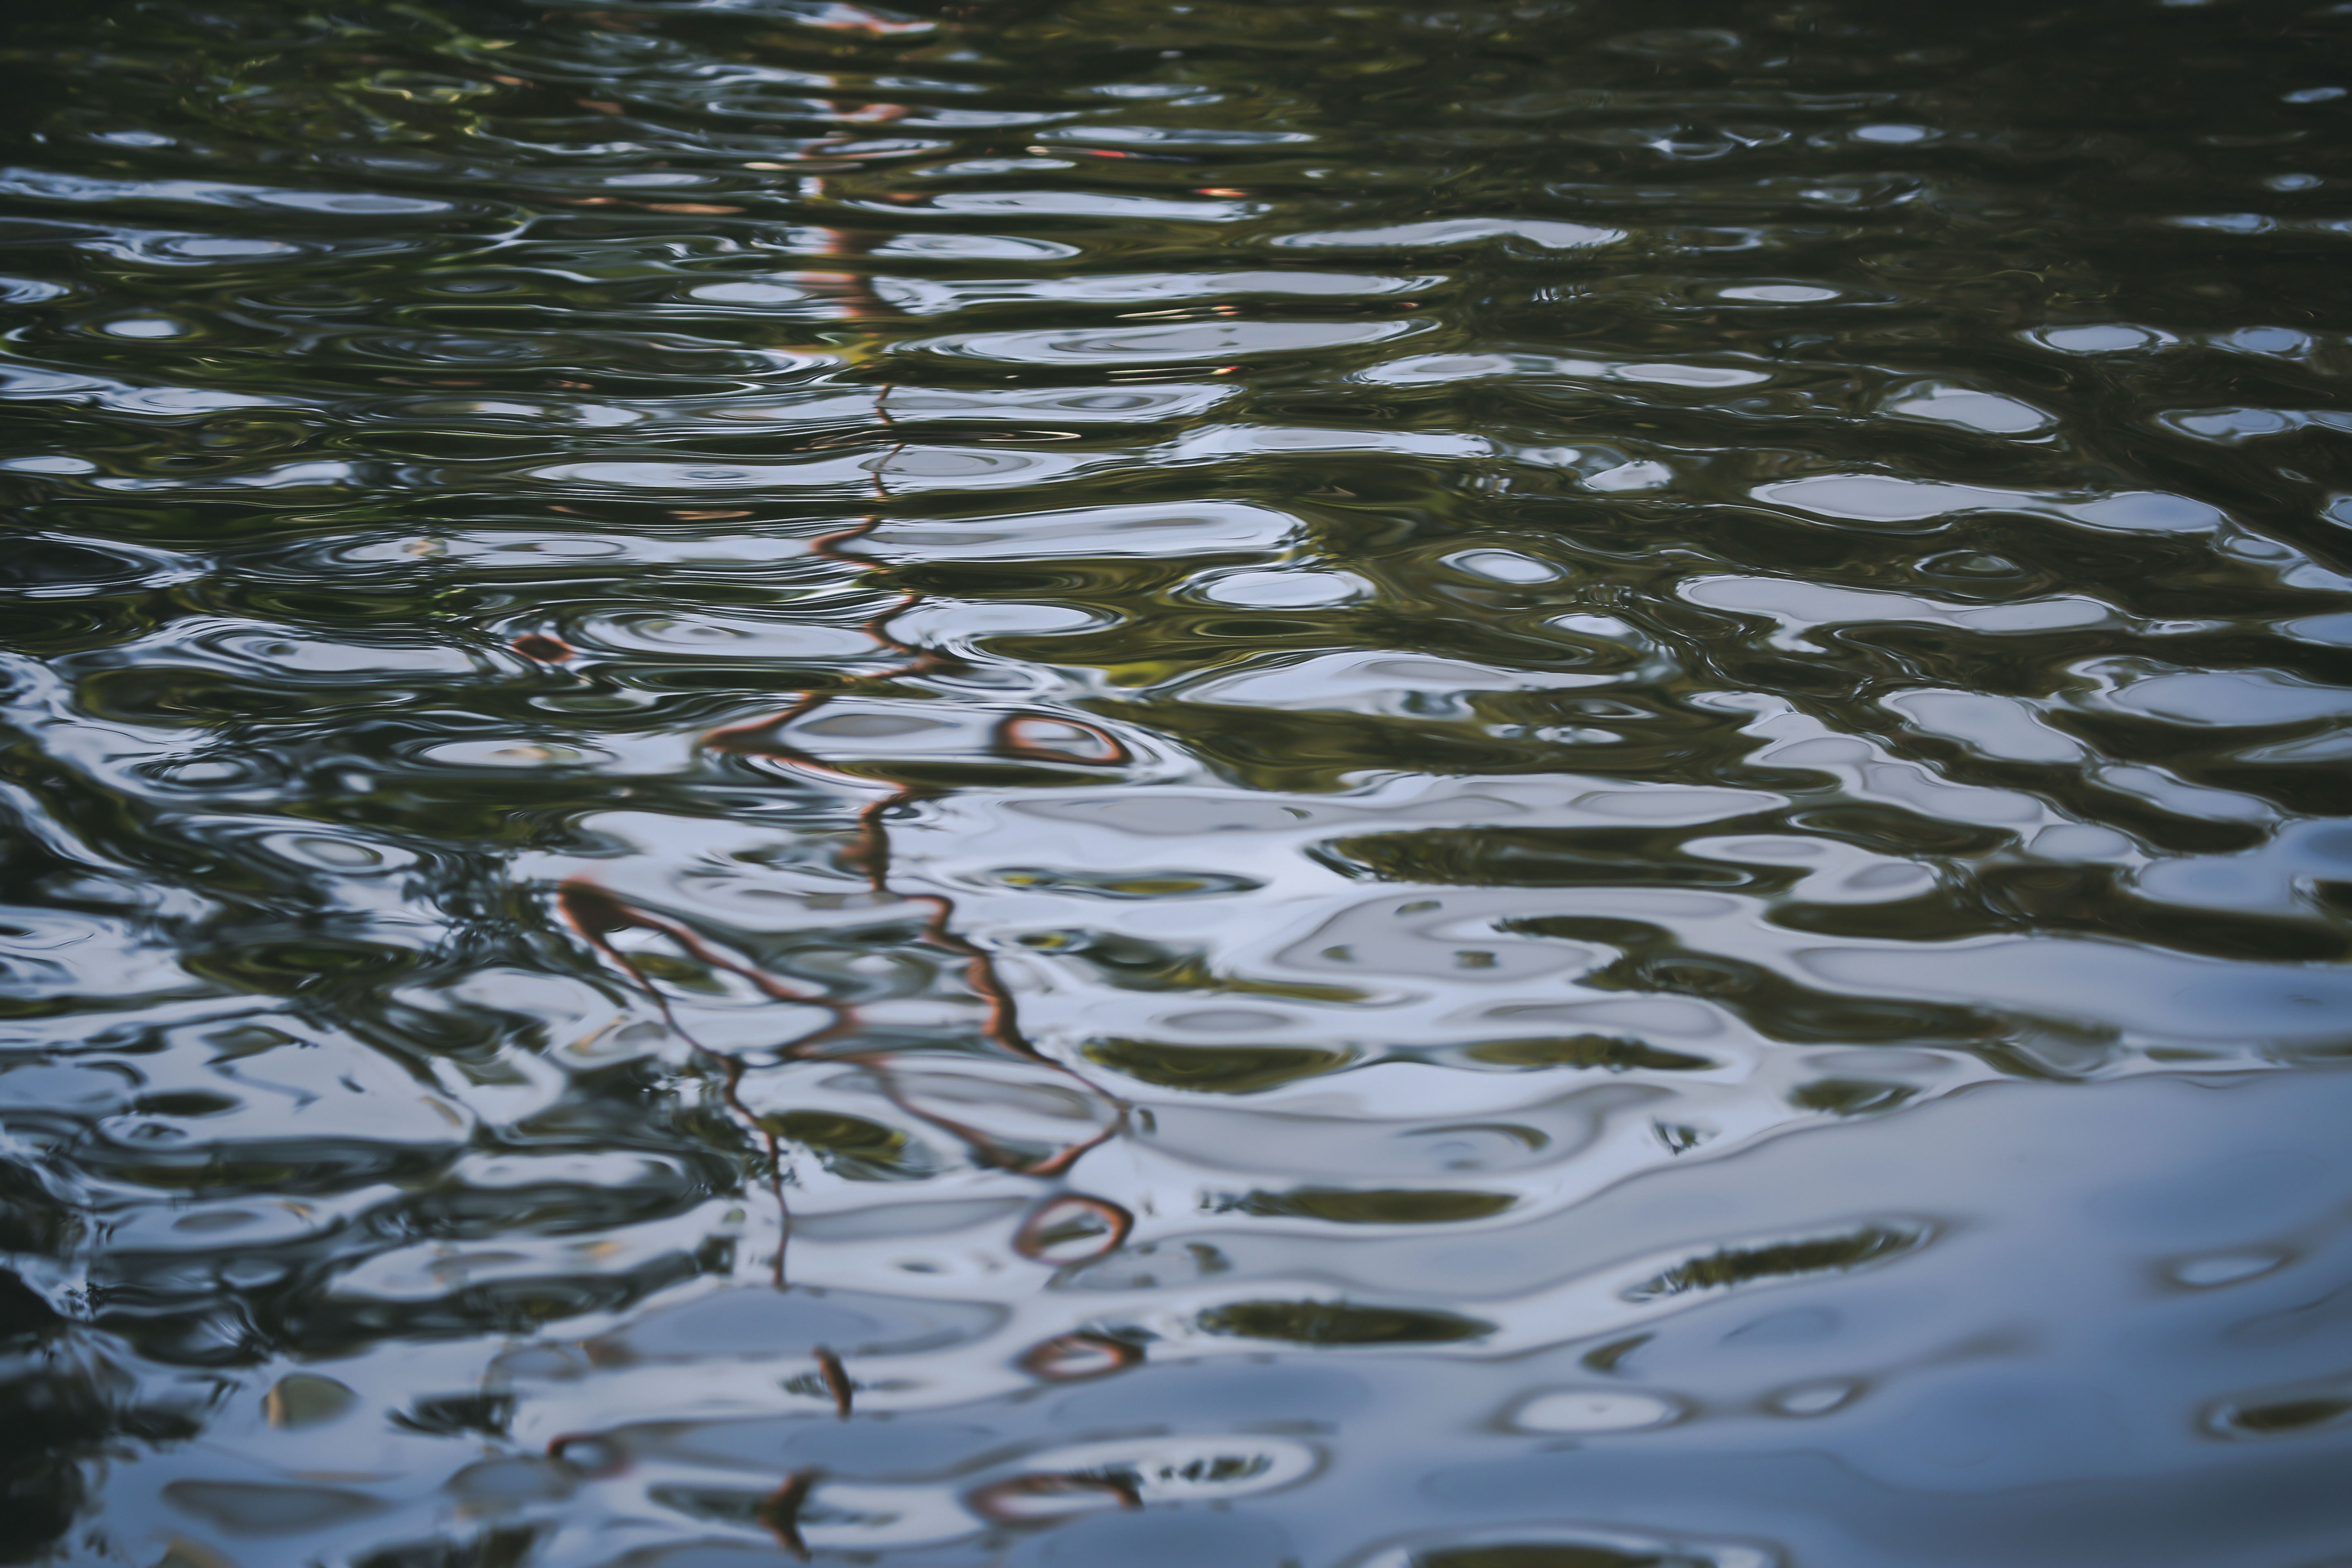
(1086, 784)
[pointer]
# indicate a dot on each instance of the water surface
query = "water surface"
(1066, 785)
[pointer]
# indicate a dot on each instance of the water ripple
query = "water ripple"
(1510, 786)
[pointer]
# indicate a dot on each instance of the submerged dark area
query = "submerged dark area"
(1139, 786)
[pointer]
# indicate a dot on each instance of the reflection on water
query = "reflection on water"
(1061, 783)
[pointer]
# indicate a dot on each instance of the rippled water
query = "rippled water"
(1108, 785)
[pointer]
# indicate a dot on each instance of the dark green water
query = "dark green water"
(1107, 786)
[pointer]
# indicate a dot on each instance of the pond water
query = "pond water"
(1071, 784)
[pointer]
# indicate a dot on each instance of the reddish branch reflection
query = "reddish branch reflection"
(1068, 1228)
(836, 1382)
(1072, 1357)
(1052, 1495)
(1072, 1227)
(779, 1511)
